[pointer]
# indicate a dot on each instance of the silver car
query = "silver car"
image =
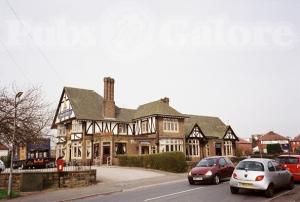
(2, 166)
(260, 174)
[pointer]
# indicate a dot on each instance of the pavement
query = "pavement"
(114, 182)
(112, 179)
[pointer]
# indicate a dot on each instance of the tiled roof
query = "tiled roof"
(158, 107)
(87, 104)
(297, 138)
(272, 136)
(123, 114)
(210, 126)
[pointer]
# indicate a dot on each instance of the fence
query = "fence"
(41, 170)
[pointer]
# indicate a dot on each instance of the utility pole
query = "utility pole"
(19, 94)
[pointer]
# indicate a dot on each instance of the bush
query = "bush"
(6, 160)
(274, 149)
(169, 161)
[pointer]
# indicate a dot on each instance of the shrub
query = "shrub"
(169, 161)
(274, 149)
(6, 160)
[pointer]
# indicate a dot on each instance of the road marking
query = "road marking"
(278, 195)
(153, 185)
(163, 196)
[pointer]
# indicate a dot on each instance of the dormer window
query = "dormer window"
(170, 125)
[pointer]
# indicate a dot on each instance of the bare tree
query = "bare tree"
(33, 116)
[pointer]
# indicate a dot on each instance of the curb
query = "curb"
(91, 195)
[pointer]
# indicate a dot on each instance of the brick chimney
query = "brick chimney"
(165, 100)
(109, 101)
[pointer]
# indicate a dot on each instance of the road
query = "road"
(182, 191)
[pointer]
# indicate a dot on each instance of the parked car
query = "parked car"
(260, 174)
(291, 163)
(212, 170)
(2, 166)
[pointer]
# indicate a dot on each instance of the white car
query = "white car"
(260, 174)
(2, 166)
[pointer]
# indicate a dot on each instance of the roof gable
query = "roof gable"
(272, 136)
(229, 134)
(84, 104)
(196, 132)
(210, 126)
(156, 108)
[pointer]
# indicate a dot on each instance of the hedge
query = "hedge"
(168, 161)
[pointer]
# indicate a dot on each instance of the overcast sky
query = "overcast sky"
(238, 60)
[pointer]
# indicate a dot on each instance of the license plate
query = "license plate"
(197, 178)
(245, 185)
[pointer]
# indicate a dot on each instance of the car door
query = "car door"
(230, 167)
(273, 175)
(282, 174)
(222, 168)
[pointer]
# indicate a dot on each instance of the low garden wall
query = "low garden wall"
(44, 180)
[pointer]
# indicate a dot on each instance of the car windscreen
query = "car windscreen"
(287, 160)
(209, 162)
(250, 165)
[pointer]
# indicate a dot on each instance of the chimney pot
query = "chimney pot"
(165, 100)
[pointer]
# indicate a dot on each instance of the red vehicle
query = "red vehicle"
(291, 163)
(212, 170)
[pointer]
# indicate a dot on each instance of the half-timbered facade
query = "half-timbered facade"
(92, 129)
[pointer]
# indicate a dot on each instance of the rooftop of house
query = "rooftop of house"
(271, 136)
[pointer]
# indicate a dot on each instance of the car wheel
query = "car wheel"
(191, 182)
(291, 184)
(234, 190)
(216, 179)
(270, 191)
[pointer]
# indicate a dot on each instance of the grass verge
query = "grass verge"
(3, 194)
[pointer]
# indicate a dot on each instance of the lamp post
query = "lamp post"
(19, 94)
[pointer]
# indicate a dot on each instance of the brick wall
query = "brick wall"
(68, 179)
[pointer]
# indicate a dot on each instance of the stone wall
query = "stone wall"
(67, 179)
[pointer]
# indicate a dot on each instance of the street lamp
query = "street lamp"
(19, 94)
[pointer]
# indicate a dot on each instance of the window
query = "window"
(287, 160)
(228, 161)
(120, 148)
(277, 166)
(61, 130)
(270, 167)
(88, 149)
(193, 148)
(76, 150)
(170, 125)
(207, 162)
(228, 148)
(207, 151)
(250, 165)
(76, 127)
(144, 126)
(222, 162)
(60, 151)
(169, 145)
(122, 128)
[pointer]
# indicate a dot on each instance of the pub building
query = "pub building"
(91, 129)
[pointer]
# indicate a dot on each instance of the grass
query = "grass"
(3, 194)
